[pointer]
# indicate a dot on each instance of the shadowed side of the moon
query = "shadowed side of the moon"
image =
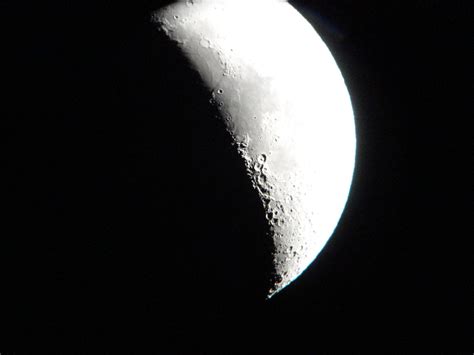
(222, 253)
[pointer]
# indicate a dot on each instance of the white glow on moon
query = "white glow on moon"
(286, 105)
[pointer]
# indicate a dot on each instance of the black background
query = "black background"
(110, 237)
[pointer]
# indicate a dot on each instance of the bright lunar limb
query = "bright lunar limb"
(285, 103)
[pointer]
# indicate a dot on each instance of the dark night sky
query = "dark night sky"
(111, 237)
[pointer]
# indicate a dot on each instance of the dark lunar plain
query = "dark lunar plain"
(111, 236)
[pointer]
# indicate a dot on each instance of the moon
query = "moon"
(284, 102)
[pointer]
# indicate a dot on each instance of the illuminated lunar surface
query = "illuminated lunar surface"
(285, 104)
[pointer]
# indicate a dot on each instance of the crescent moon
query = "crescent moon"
(285, 104)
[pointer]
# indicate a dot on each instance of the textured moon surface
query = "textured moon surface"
(285, 104)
